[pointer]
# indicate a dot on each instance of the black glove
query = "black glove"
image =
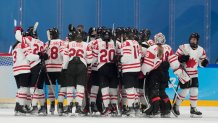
(40, 55)
(43, 56)
(183, 58)
(204, 63)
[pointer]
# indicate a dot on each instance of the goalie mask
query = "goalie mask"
(159, 39)
(193, 40)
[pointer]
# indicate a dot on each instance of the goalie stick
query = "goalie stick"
(146, 99)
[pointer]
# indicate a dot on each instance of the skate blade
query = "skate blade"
(128, 115)
(42, 113)
(153, 116)
(79, 115)
(165, 116)
(174, 114)
(195, 116)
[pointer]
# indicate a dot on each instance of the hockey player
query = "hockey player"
(81, 29)
(21, 71)
(119, 31)
(131, 66)
(36, 55)
(104, 52)
(70, 95)
(80, 57)
(94, 78)
(146, 42)
(190, 56)
(58, 60)
(157, 61)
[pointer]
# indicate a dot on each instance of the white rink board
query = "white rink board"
(210, 115)
(7, 82)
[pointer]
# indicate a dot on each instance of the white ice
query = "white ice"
(210, 114)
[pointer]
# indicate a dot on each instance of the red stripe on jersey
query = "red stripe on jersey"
(80, 96)
(93, 96)
(53, 64)
(126, 50)
(53, 67)
(61, 94)
(173, 60)
(130, 94)
(22, 69)
(149, 61)
(130, 64)
(113, 98)
(106, 98)
(178, 54)
(148, 64)
(191, 71)
(126, 53)
(131, 67)
(155, 99)
(105, 95)
(32, 62)
(89, 55)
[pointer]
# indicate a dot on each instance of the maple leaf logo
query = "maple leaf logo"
(191, 63)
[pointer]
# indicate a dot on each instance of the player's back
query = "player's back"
(55, 60)
(20, 63)
(36, 46)
(131, 56)
(104, 52)
(81, 50)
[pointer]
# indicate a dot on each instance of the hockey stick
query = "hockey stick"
(35, 27)
(174, 99)
(146, 99)
(49, 79)
(175, 90)
(37, 80)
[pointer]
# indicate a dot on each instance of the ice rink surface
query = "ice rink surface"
(210, 115)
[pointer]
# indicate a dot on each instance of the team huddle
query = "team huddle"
(107, 72)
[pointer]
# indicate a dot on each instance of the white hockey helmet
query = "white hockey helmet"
(159, 38)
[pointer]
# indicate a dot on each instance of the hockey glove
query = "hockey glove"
(204, 63)
(183, 58)
(43, 56)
